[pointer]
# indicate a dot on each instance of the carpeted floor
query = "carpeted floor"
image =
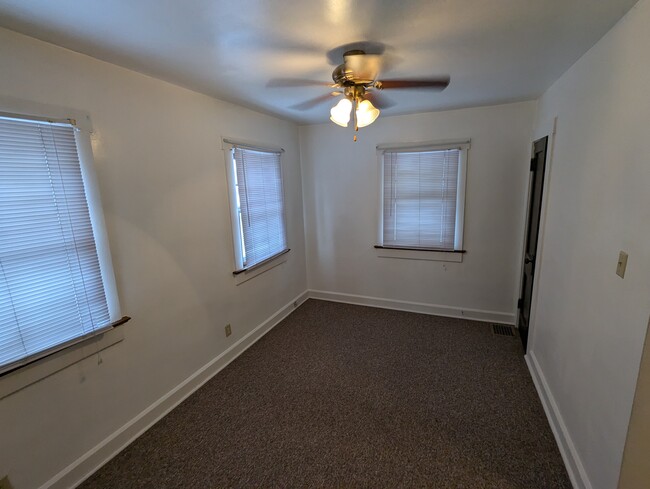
(348, 396)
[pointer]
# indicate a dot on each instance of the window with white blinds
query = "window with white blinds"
(51, 287)
(257, 197)
(423, 198)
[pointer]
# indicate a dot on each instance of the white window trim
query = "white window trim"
(52, 361)
(261, 268)
(422, 255)
(37, 370)
(242, 274)
(91, 186)
(433, 254)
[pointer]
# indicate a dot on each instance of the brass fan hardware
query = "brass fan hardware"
(357, 80)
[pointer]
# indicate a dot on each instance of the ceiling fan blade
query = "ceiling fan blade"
(379, 100)
(311, 103)
(296, 82)
(431, 83)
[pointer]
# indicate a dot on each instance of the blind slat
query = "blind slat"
(51, 289)
(261, 204)
(420, 192)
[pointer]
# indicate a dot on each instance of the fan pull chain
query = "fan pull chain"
(354, 111)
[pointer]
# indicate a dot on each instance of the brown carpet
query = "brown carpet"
(348, 396)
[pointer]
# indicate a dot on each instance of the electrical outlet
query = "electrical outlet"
(5, 484)
(228, 333)
(622, 264)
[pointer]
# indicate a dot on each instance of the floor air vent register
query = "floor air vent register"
(503, 330)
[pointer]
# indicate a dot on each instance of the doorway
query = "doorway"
(537, 168)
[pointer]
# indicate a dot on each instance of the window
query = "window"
(56, 285)
(257, 205)
(423, 196)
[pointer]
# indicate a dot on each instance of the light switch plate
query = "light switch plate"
(622, 264)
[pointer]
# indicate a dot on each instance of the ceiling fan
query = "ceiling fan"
(357, 80)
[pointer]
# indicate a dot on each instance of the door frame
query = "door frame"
(548, 128)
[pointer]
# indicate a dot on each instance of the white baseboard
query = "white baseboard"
(91, 461)
(572, 461)
(423, 308)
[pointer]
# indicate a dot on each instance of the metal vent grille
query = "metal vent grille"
(503, 330)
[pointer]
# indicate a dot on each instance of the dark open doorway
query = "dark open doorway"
(537, 168)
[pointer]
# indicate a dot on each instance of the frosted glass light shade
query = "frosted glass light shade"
(366, 113)
(340, 113)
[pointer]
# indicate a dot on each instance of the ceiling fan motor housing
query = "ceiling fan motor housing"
(339, 76)
(346, 76)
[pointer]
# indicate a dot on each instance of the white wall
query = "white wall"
(589, 325)
(340, 184)
(162, 177)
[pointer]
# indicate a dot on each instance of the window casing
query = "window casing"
(56, 279)
(256, 204)
(423, 196)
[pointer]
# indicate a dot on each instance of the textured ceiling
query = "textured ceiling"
(495, 51)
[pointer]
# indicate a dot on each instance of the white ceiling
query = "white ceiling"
(495, 51)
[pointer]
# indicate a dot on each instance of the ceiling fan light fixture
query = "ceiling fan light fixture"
(366, 113)
(340, 113)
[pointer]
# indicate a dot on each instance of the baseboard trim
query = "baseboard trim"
(423, 308)
(574, 466)
(86, 465)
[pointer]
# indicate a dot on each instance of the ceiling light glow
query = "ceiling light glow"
(366, 113)
(340, 113)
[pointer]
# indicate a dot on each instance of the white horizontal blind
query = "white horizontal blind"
(51, 289)
(261, 204)
(420, 193)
